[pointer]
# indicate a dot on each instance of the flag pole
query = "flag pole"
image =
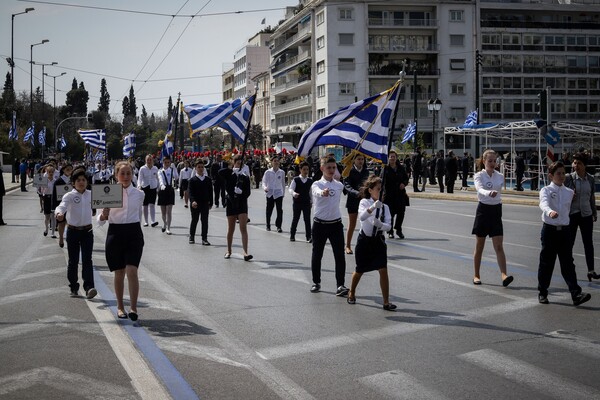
(174, 133)
(248, 125)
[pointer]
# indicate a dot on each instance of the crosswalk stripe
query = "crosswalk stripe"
(31, 295)
(576, 343)
(198, 351)
(400, 386)
(41, 273)
(536, 378)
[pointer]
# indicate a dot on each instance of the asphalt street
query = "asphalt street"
(229, 329)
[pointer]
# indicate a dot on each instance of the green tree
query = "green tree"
(255, 136)
(169, 107)
(144, 118)
(8, 99)
(77, 99)
(104, 102)
(132, 105)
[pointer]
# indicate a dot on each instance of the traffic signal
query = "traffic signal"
(542, 105)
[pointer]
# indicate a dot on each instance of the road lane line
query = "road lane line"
(194, 350)
(400, 386)
(41, 273)
(36, 294)
(538, 379)
(580, 344)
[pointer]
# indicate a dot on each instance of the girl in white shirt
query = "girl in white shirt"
(125, 240)
(46, 191)
(488, 217)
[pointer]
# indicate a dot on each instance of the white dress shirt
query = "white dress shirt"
(485, 184)
(327, 208)
(47, 190)
(131, 212)
(186, 173)
(556, 198)
(77, 206)
(148, 177)
(366, 219)
(167, 176)
(274, 183)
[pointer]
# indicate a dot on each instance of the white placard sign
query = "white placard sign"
(107, 196)
(39, 180)
(61, 190)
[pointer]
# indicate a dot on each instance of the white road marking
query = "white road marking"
(31, 295)
(79, 385)
(285, 273)
(51, 322)
(401, 386)
(538, 379)
(198, 351)
(46, 258)
(41, 273)
(580, 344)
(354, 338)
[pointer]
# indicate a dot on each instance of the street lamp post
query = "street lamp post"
(31, 75)
(43, 87)
(434, 106)
(54, 122)
(12, 45)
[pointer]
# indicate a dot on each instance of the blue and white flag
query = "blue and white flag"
(471, 120)
(129, 145)
(95, 138)
(363, 126)
(12, 133)
(411, 129)
(62, 143)
(232, 116)
(167, 147)
(29, 135)
(42, 136)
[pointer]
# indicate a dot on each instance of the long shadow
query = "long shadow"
(274, 264)
(422, 240)
(175, 327)
(400, 257)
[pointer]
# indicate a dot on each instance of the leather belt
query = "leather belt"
(80, 228)
(556, 227)
(321, 221)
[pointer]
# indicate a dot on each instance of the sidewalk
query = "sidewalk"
(9, 186)
(509, 196)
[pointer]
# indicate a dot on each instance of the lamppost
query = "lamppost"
(12, 45)
(434, 106)
(31, 75)
(43, 88)
(54, 122)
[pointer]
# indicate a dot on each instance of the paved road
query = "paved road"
(224, 329)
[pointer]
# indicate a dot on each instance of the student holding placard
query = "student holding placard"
(57, 193)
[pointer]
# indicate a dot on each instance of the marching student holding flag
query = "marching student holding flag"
(166, 193)
(148, 182)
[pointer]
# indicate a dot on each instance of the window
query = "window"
(346, 64)
(457, 88)
(457, 64)
(320, 113)
(457, 15)
(457, 40)
(346, 14)
(346, 39)
(321, 91)
(347, 88)
(320, 42)
(457, 113)
(320, 17)
(320, 67)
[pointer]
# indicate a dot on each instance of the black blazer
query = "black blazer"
(201, 191)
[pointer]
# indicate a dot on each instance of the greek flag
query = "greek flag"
(29, 135)
(12, 133)
(362, 126)
(129, 145)
(95, 138)
(62, 143)
(232, 116)
(42, 136)
(411, 129)
(471, 120)
(167, 146)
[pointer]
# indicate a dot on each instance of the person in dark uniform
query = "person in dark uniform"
(218, 183)
(440, 169)
(465, 166)
(417, 161)
(534, 172)
(64, 179)
(200, 192)
(23, 174)
(451, 165)
(2, 194)
(352, 184)
(519, 171)
(394, 193)
(300, 191)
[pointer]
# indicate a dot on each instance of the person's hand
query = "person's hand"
(162, 187)
(553, 214)
(296, 195)
(402, 186)
(194, 205)
(325, 192)
(237, 190)
(105, 213)
(60, 217)
(493, 193)
(377, 223)
(377, 204)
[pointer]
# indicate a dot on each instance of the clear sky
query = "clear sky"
(126, 47)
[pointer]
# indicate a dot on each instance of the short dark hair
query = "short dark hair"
(581, 157)
(77, 172)
(199, 162)
(303, 164)
(554, 166)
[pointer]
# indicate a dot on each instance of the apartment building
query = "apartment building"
(250, 60)
(325, 54)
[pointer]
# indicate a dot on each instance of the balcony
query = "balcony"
(394, 70)
(404, 48)
(303, 33)
(290, 105)
(303, 80)
(305, 55)
(399, 22)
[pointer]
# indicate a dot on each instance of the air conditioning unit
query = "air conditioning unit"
(453, 119)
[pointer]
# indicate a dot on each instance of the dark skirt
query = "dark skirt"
(236, 205)
(184, 185)
(47, 201)
(149, 195)
(124, 245)
(488, 221)
(370, 252)
(166, 197)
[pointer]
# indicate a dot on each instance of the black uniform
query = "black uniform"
(201, 192)
(394, 197)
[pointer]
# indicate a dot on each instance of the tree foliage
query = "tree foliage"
(104, 102)
(77, 99)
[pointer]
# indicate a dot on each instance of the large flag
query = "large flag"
(232, 116)
(363, 126)
(62, 143)
(29, 135)
(129, 145)
(95, 138)
(12, 133)
(42, 136)
(411, 129)
(471, 120)
(167, 146)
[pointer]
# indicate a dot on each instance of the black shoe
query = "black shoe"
(400, 235)
(205, 242)
(248, 257)
(581, 298)
(2, 223)
(133, 316)
(268, 229)
(543, 298)
(389, 307)
(279, 230)
(309, 240)
(154, 224)
(74, 293)
(342, 291)
(163, 229)
(91, 293)
(192, 241)
(507, 281)
(391, 235)
(292, 238)
(315, 288)
(590, 274)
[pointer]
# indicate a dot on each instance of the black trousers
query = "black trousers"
(450, 183)
(219, 189)
(416, 175)
(440, 179)
(278, 204)
(519, 180)
(200, 213)
(335, 233)
(23, 181)
(586, 226)
(1, 201)
(298, 208)
(399, 214)
(557, 243)
(80, 240)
